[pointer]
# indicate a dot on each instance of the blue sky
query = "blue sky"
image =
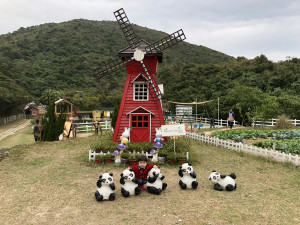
(235, 27)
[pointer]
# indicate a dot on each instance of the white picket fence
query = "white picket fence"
(279, 156)
(272, 122)
(204, 120)
(220, 122)
(92, 154)
(86, 127)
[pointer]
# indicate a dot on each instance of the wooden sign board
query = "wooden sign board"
(173, 130)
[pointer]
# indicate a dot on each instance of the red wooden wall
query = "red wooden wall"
(127, 103)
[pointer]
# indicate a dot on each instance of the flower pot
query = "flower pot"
(132, 162)
(161, 159)
(124, 161)
(171, 161)
(108, 160)
(98, 161)
(181, 161)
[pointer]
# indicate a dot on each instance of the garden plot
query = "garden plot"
(287, 141)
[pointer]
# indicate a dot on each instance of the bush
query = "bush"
(125, 155)
(104, 146)
(108, 156)
(283, 123)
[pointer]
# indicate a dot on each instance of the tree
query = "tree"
(114, 116)
(244, 101)
(50, 94)
(52, 126)
(268, 109)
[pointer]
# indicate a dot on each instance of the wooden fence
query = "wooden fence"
(5, 120)
(86, 127)
(279, 156)
(272, 123)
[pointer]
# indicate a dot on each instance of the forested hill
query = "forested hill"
(58, 60)
(62, 56)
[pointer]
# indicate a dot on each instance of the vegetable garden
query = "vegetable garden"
(287, 141)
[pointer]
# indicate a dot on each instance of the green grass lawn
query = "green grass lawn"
(52, 183)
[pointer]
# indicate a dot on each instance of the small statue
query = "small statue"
(158, 140)
(124, 139)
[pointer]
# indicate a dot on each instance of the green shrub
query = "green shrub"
(125, 155)
(283, 123)
(108, 156)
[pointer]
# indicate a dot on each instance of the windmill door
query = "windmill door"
(140, 127)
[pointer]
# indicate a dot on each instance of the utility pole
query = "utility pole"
(218, 112)
(196, 110)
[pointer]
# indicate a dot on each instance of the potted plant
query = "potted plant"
(108, 157)
(124, 157)
(98, 159)
(171, 157)
(162, 154)
(132, 158)
(181, 157)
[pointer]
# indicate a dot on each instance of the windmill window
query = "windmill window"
(140, 92)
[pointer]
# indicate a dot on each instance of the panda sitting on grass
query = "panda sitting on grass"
(155, 184)
(187, 176)
(223, 182)
(106, 188)
(129, 183)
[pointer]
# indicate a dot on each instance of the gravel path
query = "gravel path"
(13, 130)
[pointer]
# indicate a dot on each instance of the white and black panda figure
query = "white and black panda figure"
(129, 183)
(155, 184)
(187, 176)
(223, 182)
(106, 188)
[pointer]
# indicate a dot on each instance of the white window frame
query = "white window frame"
(145, 85)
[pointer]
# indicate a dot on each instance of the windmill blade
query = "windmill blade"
(146, 71)
(114, 65)
(126, 27)
(166, 42)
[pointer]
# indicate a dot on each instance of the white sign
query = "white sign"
(173, 130)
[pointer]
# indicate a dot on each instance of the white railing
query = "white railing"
(272, 122)
(92, 154)
(5, 120)
(87, 127)
(186, 120)
(279, 156)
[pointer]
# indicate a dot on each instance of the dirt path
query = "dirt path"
(10, 131)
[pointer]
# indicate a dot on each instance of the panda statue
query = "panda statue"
(129, 183)
(223, 182)
(187, 176)
(155, 184)
(106, 188)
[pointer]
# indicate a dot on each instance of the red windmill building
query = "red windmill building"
(140, 108)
